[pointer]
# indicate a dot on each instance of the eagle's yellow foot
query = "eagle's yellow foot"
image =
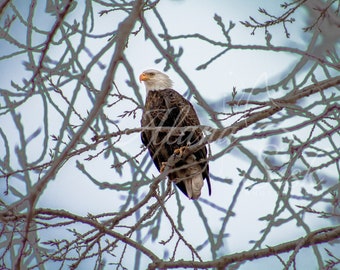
(162, 167)
(181, 150)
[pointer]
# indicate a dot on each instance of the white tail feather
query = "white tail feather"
(192, 178)
(188, 187)
(194, 185)
(197, 184)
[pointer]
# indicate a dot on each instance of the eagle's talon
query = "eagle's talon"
(180, 151)
(163, 166)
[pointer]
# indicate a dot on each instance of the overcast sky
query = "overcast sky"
(241, 69)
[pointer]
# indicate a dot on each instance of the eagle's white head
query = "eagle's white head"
(155, 80)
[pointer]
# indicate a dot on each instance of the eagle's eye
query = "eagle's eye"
(152, 74)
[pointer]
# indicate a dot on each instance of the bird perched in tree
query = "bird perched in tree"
(164, 107)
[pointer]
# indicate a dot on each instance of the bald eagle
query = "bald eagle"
(164, 107)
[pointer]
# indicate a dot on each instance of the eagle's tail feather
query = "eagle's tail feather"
(194, 186)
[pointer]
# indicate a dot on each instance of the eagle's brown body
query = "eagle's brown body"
(167, 108)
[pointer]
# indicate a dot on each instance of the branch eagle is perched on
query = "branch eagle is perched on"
(164, 107)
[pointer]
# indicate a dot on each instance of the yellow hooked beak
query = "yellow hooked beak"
(144, 77)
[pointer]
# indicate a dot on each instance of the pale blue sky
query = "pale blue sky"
(72, 191)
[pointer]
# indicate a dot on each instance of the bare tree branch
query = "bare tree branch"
(273, 147)
(314, 238)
